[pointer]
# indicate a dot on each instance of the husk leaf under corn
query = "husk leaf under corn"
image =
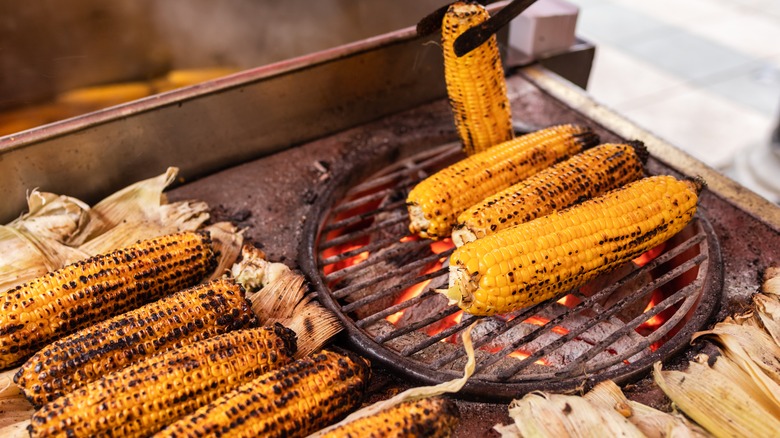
(417, 393)
(58, 230)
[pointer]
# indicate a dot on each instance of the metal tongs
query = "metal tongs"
(474, 37)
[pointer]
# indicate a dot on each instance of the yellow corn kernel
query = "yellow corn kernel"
(178, 319)
(583, 176)
(598, 234)
(434, 417)
(475, 82)
(145, 397)
(435, 203)
(60, 302)
(293, 401)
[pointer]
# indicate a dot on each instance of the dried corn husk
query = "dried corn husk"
(541, 414)
(767, 304)
(58, 230)
(750, 347)
(139, 211)
(30, 245)
(418, 393)
(716, 402)
(651, 422)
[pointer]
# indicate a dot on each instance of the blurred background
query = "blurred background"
(702, 74)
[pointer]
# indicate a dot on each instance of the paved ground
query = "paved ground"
(702, 74)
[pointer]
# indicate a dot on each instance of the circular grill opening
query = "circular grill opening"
(382, 282)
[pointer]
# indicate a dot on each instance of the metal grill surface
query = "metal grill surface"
(382, 283)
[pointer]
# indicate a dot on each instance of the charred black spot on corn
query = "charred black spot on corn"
(179, 319)
(583, 176)
(552, 254)
(428, 417)
(145, 397)
(435, 203)
(65, 300)
(295, 400)
(476, 87)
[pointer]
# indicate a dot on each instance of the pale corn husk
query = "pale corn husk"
(314, 325)
(767, 303)
(58, 230)
(541, 414)
(771, 284)
(253, 271)
(418, 393)
(279, 295)
(30, 245)
(749, 346)
(16, 410)
(52, 216)
(717, 403)
(651, 422)
(139, 211)
(227, 240)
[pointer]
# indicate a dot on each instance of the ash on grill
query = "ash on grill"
(382, 282)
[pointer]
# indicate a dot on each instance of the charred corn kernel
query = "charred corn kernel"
(546, 257)
(293, 401)
(434, 417)
(60, 302)
(145, 397)
(583, 176)
(475, 82)
(179, 319)
(435, 203)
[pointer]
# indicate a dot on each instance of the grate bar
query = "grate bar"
(630, 328)
(598, 318)
(370, 248)
(399, 287)
(373, 197)
(344, 238)
(416, 325)
(661, 259)
(361, 217)
(399, 247)
(406, 269)
(407, 169)
(449, 331)
(522, 315)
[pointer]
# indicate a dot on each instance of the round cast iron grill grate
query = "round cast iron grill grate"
(381, 283)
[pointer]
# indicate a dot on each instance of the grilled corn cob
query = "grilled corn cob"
(181, 318)
(581, 177)
(546, 257)
(63, 301)
(145, 397)
(435, 203)
(475, 82)
(434, 417)
(293, 401)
